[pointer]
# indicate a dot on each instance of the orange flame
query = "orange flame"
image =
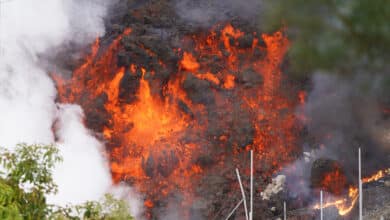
(189, 62)
(334, 181)
(345, 205)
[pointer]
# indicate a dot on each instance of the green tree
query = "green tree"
(107, 209)
(9, 208)
(25, 180)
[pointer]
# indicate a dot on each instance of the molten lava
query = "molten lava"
(155, 139)
(334, 182)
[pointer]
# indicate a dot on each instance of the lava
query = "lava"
(189, 62)
(334, 182)
(154, 139)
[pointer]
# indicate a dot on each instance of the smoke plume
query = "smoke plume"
(346, 113)
(343, 114)
(28, 30)
(83, 171)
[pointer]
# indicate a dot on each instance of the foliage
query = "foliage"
(25, 180)
(9, 208)
(109, 209)
(333, 35)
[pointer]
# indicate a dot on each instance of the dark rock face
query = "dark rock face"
(98, 116)
(204, 161)
(128, 87)
(160, 164)
(245, 41)
(249, 78)
(198, 90)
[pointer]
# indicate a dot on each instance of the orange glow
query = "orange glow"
(345, 205)
(302, 97)
(154, 139)
(189, 62)
(380, 174)
(229, 82)
(334, 182)
(148, 204)
(209, 77)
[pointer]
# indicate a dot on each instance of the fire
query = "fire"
(155, 135)
(189, 62)
(229, 82)
(152, 120)
(265, 103)
(380, 174)
(334, 182)
(345, 205)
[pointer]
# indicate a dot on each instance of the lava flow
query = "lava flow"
(162, 136)
(345, 205)
(334, 181)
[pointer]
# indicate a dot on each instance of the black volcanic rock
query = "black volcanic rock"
(149, 166)
(129, 86)
(97, 116)
(249, 78)
(199, 91)
(245, 41)
(123, 58)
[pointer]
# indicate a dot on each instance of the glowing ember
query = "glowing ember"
(334, 182)
(189, 62)
(229, 82)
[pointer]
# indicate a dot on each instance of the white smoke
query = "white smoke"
(83, 171)
(274, 187)
(133, 198)
(29, 28)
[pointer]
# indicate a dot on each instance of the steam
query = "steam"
(133, 198)
(83, 171)
(28, 110)
(274, 187)
(27, 92)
